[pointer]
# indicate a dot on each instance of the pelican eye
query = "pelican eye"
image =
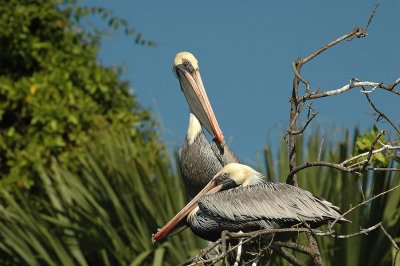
(225, 175)
(186, 63)
(222, 178)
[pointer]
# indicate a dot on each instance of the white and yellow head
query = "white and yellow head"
(240, 174)
(183, 58)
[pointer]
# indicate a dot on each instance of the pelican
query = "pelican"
(239, 199)
(199, 160)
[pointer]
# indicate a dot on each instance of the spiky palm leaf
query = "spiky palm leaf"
(103, 215)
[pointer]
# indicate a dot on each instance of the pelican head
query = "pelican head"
(187, 71)
(187, 58)
(236, 174)
(230, 176)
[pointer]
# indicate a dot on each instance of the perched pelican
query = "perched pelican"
(239, 199)
(199, 160)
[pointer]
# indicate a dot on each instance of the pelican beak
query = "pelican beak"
(168, 229)
(196, 96)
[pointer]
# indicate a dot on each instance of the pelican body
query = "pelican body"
(239, 199)
(199, 159)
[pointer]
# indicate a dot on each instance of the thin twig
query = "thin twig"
(296, 66)
(299, 132)
(287, 256)
(371, 16)
(357, 32)
(384, 169)
(354, 168)
(353, 84)
(371, 150)
(381, 114)
(361, 232)
(362, 203)
(296, 246)
(389, 237)
(325, 164)
(383, 148)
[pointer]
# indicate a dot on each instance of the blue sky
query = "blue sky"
(245, 53)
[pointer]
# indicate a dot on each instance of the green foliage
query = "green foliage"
(54, 94)
(104, 214)
(113, 22)
(363, 144)
(346, 190)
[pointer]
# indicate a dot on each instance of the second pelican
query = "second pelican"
(239, 199)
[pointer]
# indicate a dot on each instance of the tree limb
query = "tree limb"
(380, 113)
(353, 84)
(362, 203)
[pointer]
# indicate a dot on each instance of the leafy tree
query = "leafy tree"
(54, 94)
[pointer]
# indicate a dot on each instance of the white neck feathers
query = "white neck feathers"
(194, 129)
(253, 179)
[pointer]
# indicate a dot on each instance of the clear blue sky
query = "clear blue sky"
(245, 53)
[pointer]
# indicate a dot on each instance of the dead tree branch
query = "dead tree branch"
(295, 110)
(363, 203)
(296, 105)
(287, 256)
(358, 164)
(278, 245)
(380, 114)
(354, 83)
(372, 15)
(358, 167)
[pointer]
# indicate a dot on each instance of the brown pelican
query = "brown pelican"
(199, 160)
(239, 199)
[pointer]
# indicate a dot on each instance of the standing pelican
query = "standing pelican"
(199, 159)
(239, 199)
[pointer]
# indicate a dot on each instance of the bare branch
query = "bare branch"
(392, 86)
(390, 238)
(362, 203)
(353, 84)
(326, 164)
(295, 246)
(383, 148)
(277, 245)
(372, 15)
(361, 232)
(286, 255)
(384, 169)
(300, 131)
(354, 168)
(296, 66)
(357, 32)
(380, 113)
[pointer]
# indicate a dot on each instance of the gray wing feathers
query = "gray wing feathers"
(268, 201)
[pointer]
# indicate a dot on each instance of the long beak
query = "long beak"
(211, 187)
(196, 96)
